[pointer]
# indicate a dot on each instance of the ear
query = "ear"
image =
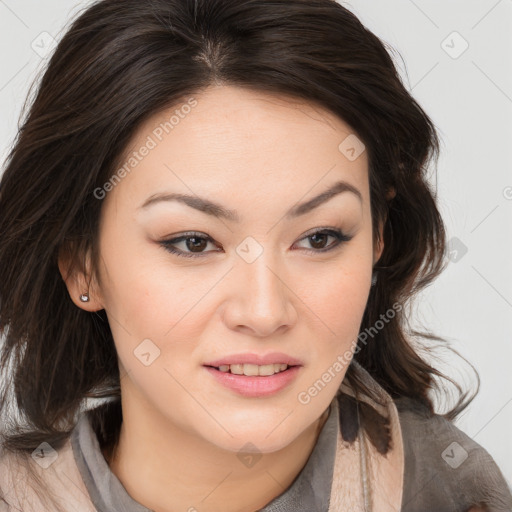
(379, 246)
(79, 277)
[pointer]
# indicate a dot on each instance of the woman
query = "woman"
(214, 218)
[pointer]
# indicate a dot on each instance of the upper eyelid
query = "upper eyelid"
(199, 234)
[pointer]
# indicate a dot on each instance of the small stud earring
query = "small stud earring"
(84, 297)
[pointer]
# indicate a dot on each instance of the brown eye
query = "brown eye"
(194, 245)
(318, 240)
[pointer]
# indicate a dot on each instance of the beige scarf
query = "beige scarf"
(384, 473)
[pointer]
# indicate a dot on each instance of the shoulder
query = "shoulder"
(445, 469)
(42, 480)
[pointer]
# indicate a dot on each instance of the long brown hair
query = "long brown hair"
(120, 63)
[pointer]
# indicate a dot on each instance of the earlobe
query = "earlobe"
(390, 194)
(78, 282)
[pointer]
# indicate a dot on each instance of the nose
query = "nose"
(262, 302)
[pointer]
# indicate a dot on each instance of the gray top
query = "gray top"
(445, 470)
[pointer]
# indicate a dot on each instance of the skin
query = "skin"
(259, 154)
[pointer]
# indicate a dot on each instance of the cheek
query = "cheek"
(340, 311)
(337, 295)
(143, 291)
(160, 308)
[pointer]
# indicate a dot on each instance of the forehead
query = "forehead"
(227, 141)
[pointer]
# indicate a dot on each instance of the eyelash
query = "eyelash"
(337, 234)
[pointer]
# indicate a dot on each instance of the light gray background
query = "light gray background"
(469, 97)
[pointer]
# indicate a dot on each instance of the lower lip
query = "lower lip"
(255, 386)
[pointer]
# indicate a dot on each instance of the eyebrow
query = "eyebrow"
(216, 210)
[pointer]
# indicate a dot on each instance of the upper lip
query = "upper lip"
(260, 360)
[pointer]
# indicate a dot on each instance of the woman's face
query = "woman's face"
(252, 283)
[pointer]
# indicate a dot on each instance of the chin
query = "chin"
(258, 436)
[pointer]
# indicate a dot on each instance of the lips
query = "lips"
(255, 386)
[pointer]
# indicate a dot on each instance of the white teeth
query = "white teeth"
(268, 369)
(253, 369)
(237, 369)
